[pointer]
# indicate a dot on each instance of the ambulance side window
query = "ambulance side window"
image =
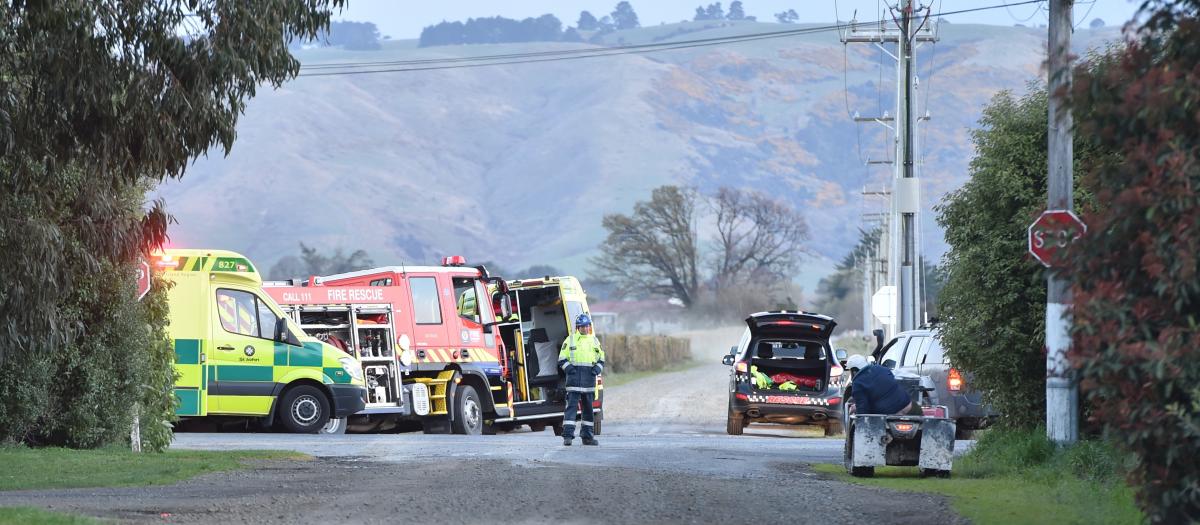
(427, 308)
(574, 310)
(238, 312)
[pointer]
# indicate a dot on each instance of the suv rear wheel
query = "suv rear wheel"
(734, 423)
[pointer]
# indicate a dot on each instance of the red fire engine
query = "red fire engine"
(442, 345)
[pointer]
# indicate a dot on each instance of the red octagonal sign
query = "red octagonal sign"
(143, 279)
(1051, 233)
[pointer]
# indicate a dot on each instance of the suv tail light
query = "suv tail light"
(740, 367)
(954, 380)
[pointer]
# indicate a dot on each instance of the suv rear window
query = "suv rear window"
(789, 350)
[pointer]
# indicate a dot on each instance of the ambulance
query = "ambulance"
(450, 347)
(237, 354)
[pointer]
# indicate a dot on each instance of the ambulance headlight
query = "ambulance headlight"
(351, 367)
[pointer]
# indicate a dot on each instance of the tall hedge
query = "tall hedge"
(99, 99)
(1137, 270)
(992, 304)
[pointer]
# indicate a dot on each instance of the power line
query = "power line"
(574, 54)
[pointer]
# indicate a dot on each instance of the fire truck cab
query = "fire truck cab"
(440, 344)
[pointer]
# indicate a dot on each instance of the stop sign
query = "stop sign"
(143, 279)
(1051, 233)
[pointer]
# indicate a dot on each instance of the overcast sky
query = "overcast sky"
(405, 18)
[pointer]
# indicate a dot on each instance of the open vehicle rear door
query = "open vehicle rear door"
(789, 324)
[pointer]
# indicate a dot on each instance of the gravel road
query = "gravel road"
(664, 458)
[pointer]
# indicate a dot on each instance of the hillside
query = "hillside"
(518, 163)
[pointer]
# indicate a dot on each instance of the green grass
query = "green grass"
(60, 468)
(29, 515)
(614, 379)
(1020, 477)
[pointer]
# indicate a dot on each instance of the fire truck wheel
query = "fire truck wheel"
(468, 412)
(304, 409)
(334, 426)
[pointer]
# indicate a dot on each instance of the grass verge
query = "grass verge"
(60, 468)
(614, 379)
(1020, 477)
(30, 515)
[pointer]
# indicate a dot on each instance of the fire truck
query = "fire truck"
(451, 347)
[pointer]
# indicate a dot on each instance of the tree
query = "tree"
(840, 294)
(587, 22)
(757, 238)
(355, 36)
(736, 12)
(993, 325)
(571, 35)
(312, 262)
(101, 99)
(787, 17)
(624, 17)
(1096, 23)
(714, 11)
(701, 14)
(653, 251)
(493, 30)
(1135, 271)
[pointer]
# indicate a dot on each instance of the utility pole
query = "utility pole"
(903, 227)
(1062, 396)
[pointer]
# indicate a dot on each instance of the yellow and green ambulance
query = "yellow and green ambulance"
(238, 355)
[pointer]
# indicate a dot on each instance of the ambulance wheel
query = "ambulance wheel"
(304, 409)
(557, 428)
(335, 425)
(734, 423)
(468, 412)
(537, 427)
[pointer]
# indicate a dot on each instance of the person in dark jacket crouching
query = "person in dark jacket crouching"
(875, 389)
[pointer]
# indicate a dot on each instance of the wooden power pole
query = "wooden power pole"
(1062, 395)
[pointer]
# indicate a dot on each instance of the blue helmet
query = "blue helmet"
(582, 321)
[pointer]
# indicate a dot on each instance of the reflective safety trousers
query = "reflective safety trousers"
(582, 359)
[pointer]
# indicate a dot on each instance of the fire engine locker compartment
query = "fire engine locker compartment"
(790, 365)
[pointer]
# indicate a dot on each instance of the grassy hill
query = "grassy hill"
(518, 163)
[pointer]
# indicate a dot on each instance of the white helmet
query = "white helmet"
(857, 362)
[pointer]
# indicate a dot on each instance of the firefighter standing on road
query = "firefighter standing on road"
(582, 359)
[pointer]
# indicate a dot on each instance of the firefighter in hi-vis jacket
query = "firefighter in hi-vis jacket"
(582, 359)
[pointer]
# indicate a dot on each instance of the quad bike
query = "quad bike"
(923, 439)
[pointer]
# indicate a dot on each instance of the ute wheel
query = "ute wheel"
(335, 426)
(963, 433)
(303, 409)
(468, 412)
(734, 423)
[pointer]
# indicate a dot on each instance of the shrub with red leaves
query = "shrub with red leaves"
(1137, 280)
